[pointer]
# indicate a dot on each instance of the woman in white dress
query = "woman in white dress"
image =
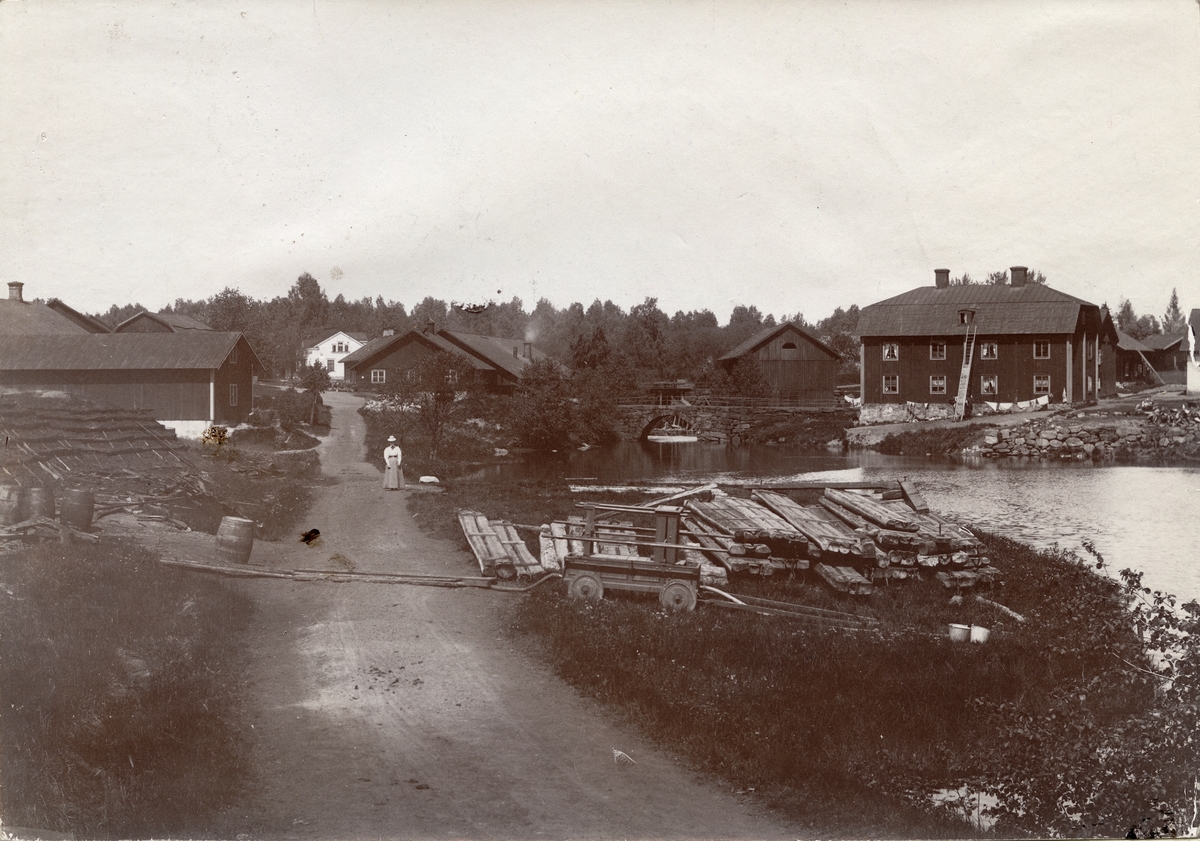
(393, 473)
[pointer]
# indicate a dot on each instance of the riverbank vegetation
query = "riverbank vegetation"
(1066, 722)
(122, 682)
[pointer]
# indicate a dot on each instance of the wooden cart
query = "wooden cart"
(588, 577)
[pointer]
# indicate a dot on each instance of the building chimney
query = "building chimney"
(389, 331)
(1019, 275)
(528, 350)
(941, 278)
(429, 327)
(14, 290)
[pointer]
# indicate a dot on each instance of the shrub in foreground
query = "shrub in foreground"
(121, 691)
(1062, 718)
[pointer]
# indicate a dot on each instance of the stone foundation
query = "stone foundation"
(1064, 438)
(872, 413)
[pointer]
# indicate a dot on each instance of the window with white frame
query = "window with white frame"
(233, 394)
(891, 383)
(937, 384)
(891, 351)
(328, 364)
(378, 375)
(937, 350)
(340, 347)
(1041, 383)
(1041, 350)
(989, 385)
(989, 350)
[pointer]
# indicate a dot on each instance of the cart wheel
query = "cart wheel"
(587, 586)
(678, 596)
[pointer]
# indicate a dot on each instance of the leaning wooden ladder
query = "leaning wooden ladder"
(964, 379)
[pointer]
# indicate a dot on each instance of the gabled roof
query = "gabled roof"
(192, 349)
(168, 321)
(89, 324)
(768, 334)
(505, 354)
(316, 338)
(29, 318)
(182, 322)
(999, 310)
(1128, 342)
(1158, 341)
(378, 348)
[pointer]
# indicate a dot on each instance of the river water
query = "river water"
(1147, 518)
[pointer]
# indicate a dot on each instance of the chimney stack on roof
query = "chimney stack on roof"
(14, 290)
(1019, 275)
(528, 350)
(941, 278)
(429, 327)
(389, 331)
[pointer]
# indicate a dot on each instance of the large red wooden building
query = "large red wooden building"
(1022, 342)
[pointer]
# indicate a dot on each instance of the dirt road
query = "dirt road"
(390, 711)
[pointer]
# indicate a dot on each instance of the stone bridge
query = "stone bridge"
(708, 423)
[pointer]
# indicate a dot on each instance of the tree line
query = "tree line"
(644, 341)
(1173, 322)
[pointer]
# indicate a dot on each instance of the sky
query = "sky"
(794, 156)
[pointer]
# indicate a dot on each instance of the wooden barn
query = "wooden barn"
(189, 380)
(798, 367)
(935, 350)
(499, 362)
(1133, 362)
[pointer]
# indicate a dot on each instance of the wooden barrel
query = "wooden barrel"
(10, 505)
(39, 502)
(77, 507)
(235, 540)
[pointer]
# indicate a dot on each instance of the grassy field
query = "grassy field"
(122, 686)
(849, 733)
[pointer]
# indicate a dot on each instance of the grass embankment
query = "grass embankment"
(922, 442)
(806, 432)
(122, 679)
(848, 733)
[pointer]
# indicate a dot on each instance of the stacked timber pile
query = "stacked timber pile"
(748, 532)
(130, 462)
(56, 440)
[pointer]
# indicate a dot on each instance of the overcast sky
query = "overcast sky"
(797, 156)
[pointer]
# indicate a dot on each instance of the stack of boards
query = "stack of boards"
(852, 538)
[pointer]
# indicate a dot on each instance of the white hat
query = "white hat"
(391, 437)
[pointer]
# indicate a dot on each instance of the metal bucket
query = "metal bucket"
(10, 505)
(77, 508)
(960, 633)
(979, 633)
(235, 540)
(39, 502)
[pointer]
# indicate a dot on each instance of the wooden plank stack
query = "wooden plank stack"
(826, 539)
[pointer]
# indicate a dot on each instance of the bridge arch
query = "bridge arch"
(686, 420)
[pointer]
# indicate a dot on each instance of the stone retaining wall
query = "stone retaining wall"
(1068, 438)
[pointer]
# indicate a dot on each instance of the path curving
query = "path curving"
(390, 711)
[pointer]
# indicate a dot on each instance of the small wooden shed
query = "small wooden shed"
(798, 366)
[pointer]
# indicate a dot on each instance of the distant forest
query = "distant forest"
(645, 341)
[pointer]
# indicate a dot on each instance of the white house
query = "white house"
(329, 348)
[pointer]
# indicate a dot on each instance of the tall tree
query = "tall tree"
(1173, 322)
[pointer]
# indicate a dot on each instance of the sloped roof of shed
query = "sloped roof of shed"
(191, 349)
(29, 318)
(386, 344)
(172, 322)
(931, 311)
(89, 324)
(767, 334)
(495, 350)
(1128, 342)
(1159, 341)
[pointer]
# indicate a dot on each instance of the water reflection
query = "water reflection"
(1141, 517)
